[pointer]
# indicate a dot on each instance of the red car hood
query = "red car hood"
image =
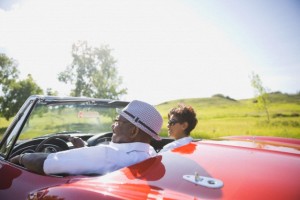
(250, 168)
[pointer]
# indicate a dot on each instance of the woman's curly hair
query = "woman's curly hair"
(185, 113)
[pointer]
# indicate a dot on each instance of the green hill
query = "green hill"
(223, 116)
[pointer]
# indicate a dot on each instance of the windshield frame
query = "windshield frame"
(15, 131)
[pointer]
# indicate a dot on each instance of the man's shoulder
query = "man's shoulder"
(130, 145)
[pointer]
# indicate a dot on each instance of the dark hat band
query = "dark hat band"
(136, 119)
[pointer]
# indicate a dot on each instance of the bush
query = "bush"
(276, 115)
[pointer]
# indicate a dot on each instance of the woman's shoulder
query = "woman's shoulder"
(177, 143)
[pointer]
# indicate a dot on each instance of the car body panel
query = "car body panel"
(247, 173)
(16, 182)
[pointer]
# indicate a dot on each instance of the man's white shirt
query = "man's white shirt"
(99, 159)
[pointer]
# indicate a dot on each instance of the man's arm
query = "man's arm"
(32, 161)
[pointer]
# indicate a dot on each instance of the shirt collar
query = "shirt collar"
(140, 146)
(185, 139)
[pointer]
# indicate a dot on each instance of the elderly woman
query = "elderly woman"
(182, 120)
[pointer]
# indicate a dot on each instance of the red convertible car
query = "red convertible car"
(229, 168)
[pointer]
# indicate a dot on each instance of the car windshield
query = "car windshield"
(68, 117)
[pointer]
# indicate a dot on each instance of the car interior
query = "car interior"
(59, 142)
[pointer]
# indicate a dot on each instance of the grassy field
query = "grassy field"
(3, 125)
(220, 116)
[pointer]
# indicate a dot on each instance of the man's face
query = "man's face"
(122, 129)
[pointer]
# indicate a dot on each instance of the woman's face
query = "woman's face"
(176, 128)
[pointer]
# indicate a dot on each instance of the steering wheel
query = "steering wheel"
(103, 140)
(61, 139)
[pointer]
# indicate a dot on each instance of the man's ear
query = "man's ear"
(134, 132)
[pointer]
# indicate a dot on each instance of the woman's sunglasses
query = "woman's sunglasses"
(172, 122)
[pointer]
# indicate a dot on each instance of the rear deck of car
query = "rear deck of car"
(248, 169)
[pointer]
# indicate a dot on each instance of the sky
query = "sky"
(165, 49)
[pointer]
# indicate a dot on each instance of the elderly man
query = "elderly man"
(133, 130)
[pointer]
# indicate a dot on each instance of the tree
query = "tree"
(14, 92)
(8, 75)
(262, 97)
(51, 92)
(93, 72)
(8, 72)
(17, 94)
